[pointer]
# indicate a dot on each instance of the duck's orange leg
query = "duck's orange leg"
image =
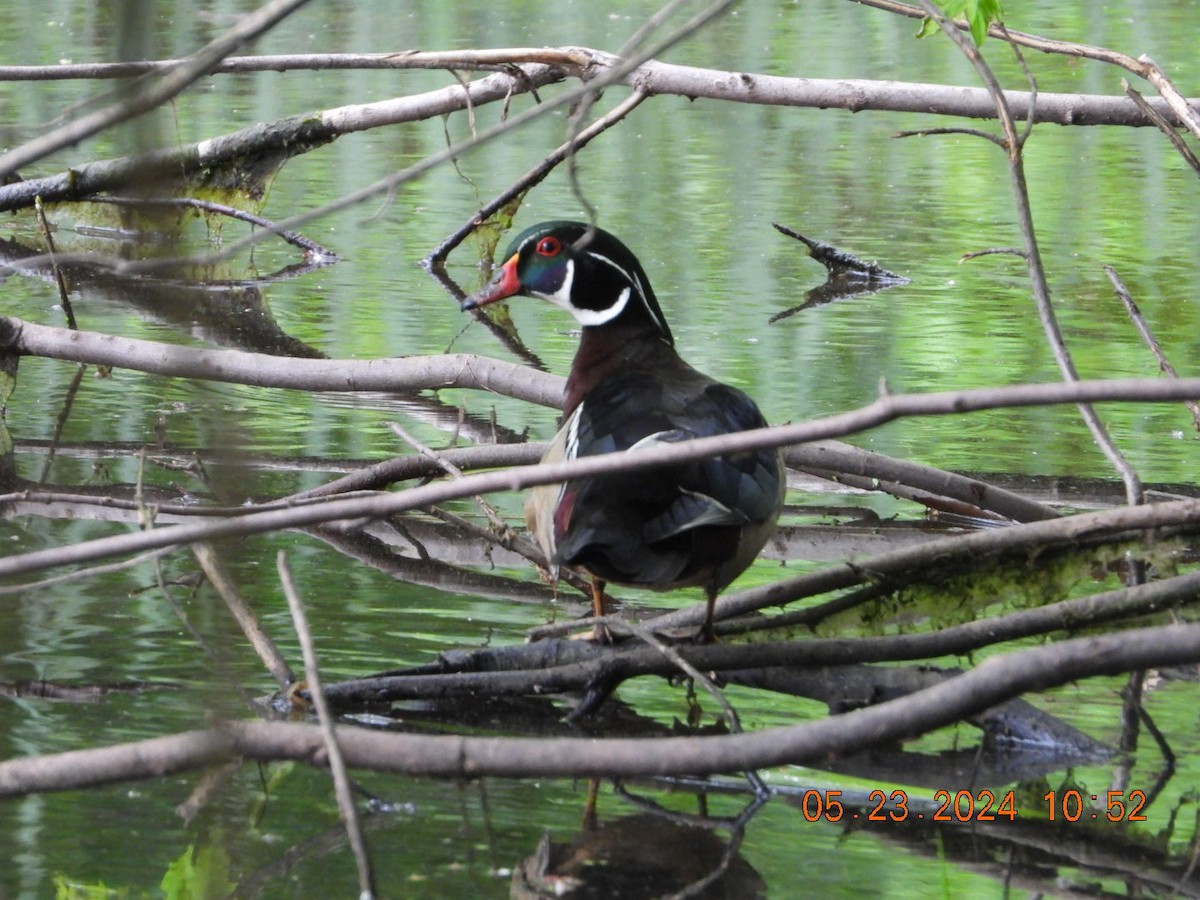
(599, 608)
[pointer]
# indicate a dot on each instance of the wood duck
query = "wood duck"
(697, 523)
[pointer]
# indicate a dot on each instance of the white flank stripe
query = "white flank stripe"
(571, 446)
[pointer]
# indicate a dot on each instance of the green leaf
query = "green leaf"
(978, 14)
(198, 873)
(928, 27)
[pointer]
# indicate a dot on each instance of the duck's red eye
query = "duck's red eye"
(549, 246)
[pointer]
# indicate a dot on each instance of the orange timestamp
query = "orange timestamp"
(971, 806)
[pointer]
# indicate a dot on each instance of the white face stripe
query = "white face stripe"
(637, 282)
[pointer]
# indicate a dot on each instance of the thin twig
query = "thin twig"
(649, 638)
(534, 176)
(48, 235)
(218, 576)
(503, 532)
(994, 251)
(211, 651)
(1143, 328)
(970, 132)
(60, 422)
(89, 572)
(207, 788)
(72, 325)
(1029, 79)
(337, 766)
(1033, 258)
(1164, 126)
(313, 250)
(627, 50)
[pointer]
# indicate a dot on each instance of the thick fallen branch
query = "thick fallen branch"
(461, 60)
(891, 567)
(467, 371)
(288, 136)
(855, 94)
(885, 409)
(1184, 112)
(546, 667)
(993, 681)
(873, 471)
(310, 130)
(451, 370)
(260, 370)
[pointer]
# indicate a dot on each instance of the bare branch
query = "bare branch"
(531, 178)
(312, 249)
(501, 532)
(1143, 328)
(995, 680)
(316, 129)
(260, 370)
(897, 566)
(1164, 126)
(1032, 252)
(572, 666)
(1184, 112)
(175, 80)
(466, 60)
(885, 409)
(218, 576)
(855, 94)
(337, 766)
(900, 478)
(293, 134)
(91, 572)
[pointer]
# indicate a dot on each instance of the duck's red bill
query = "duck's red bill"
(505, 283)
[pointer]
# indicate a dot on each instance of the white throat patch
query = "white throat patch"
(601, 316)
(585, 317)
(562, 297)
